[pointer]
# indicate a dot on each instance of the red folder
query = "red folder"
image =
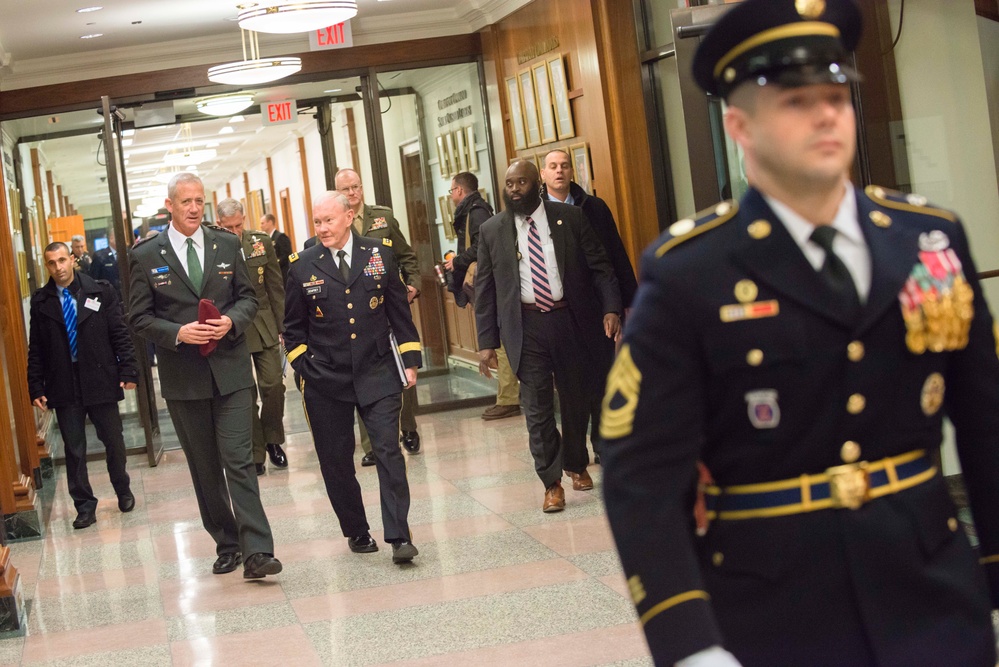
(207, 311)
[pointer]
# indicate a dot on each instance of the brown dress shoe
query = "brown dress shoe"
(554, 498)
(581, 481)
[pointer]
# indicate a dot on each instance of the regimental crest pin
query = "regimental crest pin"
(319, 312)
(934, 241)
(762, 408)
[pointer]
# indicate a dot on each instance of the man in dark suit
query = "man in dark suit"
(282, 244)
(540, 267)
(105, 264)
(805, 344)
(77, 331)
(263, 339)
(344, 301)
(210, 398)
(472, 210)
(81, 257)
(559, 186)
(378, 222)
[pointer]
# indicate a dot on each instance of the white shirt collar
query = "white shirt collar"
(538, 216)
(845, 221)
(348, 248)
(179, 241)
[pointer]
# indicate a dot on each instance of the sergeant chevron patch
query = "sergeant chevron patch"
(623, 384)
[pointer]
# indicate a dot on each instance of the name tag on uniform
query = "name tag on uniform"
(92, 304)
(160, 269)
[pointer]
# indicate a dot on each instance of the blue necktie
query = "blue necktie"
(69, 315)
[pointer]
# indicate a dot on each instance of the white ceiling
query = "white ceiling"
(40, 44)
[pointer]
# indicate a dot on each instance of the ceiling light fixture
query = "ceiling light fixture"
(254, 70)
(96, 34)
(224, 105)
(302, 16)
(86, 10)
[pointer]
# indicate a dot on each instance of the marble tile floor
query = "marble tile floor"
(497, 581)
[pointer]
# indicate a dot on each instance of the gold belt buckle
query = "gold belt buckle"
(849, 485)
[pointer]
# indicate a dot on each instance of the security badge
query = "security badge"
(748, 308)
(936, 300)
(761, 405)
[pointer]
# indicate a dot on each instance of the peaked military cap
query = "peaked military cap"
(784, 42)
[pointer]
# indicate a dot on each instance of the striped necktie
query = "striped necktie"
(69, 315)
(539, 270)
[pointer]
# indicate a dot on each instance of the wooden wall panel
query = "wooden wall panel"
(598, 39)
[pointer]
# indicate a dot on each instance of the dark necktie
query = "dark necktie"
(194, 270)
(539, 270)
(344, 269)
(69, 315)
(834, 272)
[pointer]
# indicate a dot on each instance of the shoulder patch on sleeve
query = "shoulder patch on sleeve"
(688, 228)
(623, 385)
(293, 257)
(901, 201)
(387, 242)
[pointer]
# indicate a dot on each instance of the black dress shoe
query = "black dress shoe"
(368, 459)
(362, 544)
(403, 552)
(261, 469)
(84, 519)
(278, 458)
(260, 565)
(411, 441)
(226, 562)
(126, 502)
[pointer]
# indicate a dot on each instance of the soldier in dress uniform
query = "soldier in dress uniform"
(264, 337)
(379, 222)
(344, 300)
(804, 344)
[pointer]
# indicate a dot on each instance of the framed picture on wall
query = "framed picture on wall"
(462, 147)
(531, 123)
(516, 114)
(473, 155)
(581, 165)
(443, 158)
(560, 97)
(543, 90)
(446, 221)
(452, 151)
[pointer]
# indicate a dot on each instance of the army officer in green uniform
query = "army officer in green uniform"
(378, 222)
(264, 336)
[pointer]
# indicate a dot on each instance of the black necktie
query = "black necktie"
(834, 272)
(344, 269)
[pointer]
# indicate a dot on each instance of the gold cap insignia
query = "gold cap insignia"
(810, 9)
(746, 291)
(729, 75)
(759, 229)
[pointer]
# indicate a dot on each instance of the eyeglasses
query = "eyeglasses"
(457, 187)
(350, 188)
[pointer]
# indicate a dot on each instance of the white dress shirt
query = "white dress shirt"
(848, 244)
(348, 248)
(179, 243)
(540, 219)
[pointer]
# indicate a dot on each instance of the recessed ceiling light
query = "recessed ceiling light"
(128, 133)
(85, 10)
(334, 90)
(96, 34)
(226, 130)
(236, 119)
(126, 142)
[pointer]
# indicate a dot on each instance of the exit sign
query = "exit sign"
(334, 37)
(279, 113)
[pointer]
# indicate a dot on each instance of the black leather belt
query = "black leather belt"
(555, 306)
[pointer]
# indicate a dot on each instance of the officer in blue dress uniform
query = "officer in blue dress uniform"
(343, 299)
(804, 344)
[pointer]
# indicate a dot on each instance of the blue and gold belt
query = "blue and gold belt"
(847, 486)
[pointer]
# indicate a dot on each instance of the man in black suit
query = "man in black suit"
(81, 257)
(344, 301)
(559, 186)
(210, 398)
(540, 267)
(77, 331)
(282, 244)
(805, 344)
(105, 264)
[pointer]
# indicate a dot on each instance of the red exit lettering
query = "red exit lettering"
(331, 35)
(279, 112)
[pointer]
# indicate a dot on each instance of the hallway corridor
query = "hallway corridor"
(497, 581)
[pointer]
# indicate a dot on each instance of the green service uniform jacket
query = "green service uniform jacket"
(265, 274)
(378, 222)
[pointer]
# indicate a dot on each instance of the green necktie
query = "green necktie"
(194, 271)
